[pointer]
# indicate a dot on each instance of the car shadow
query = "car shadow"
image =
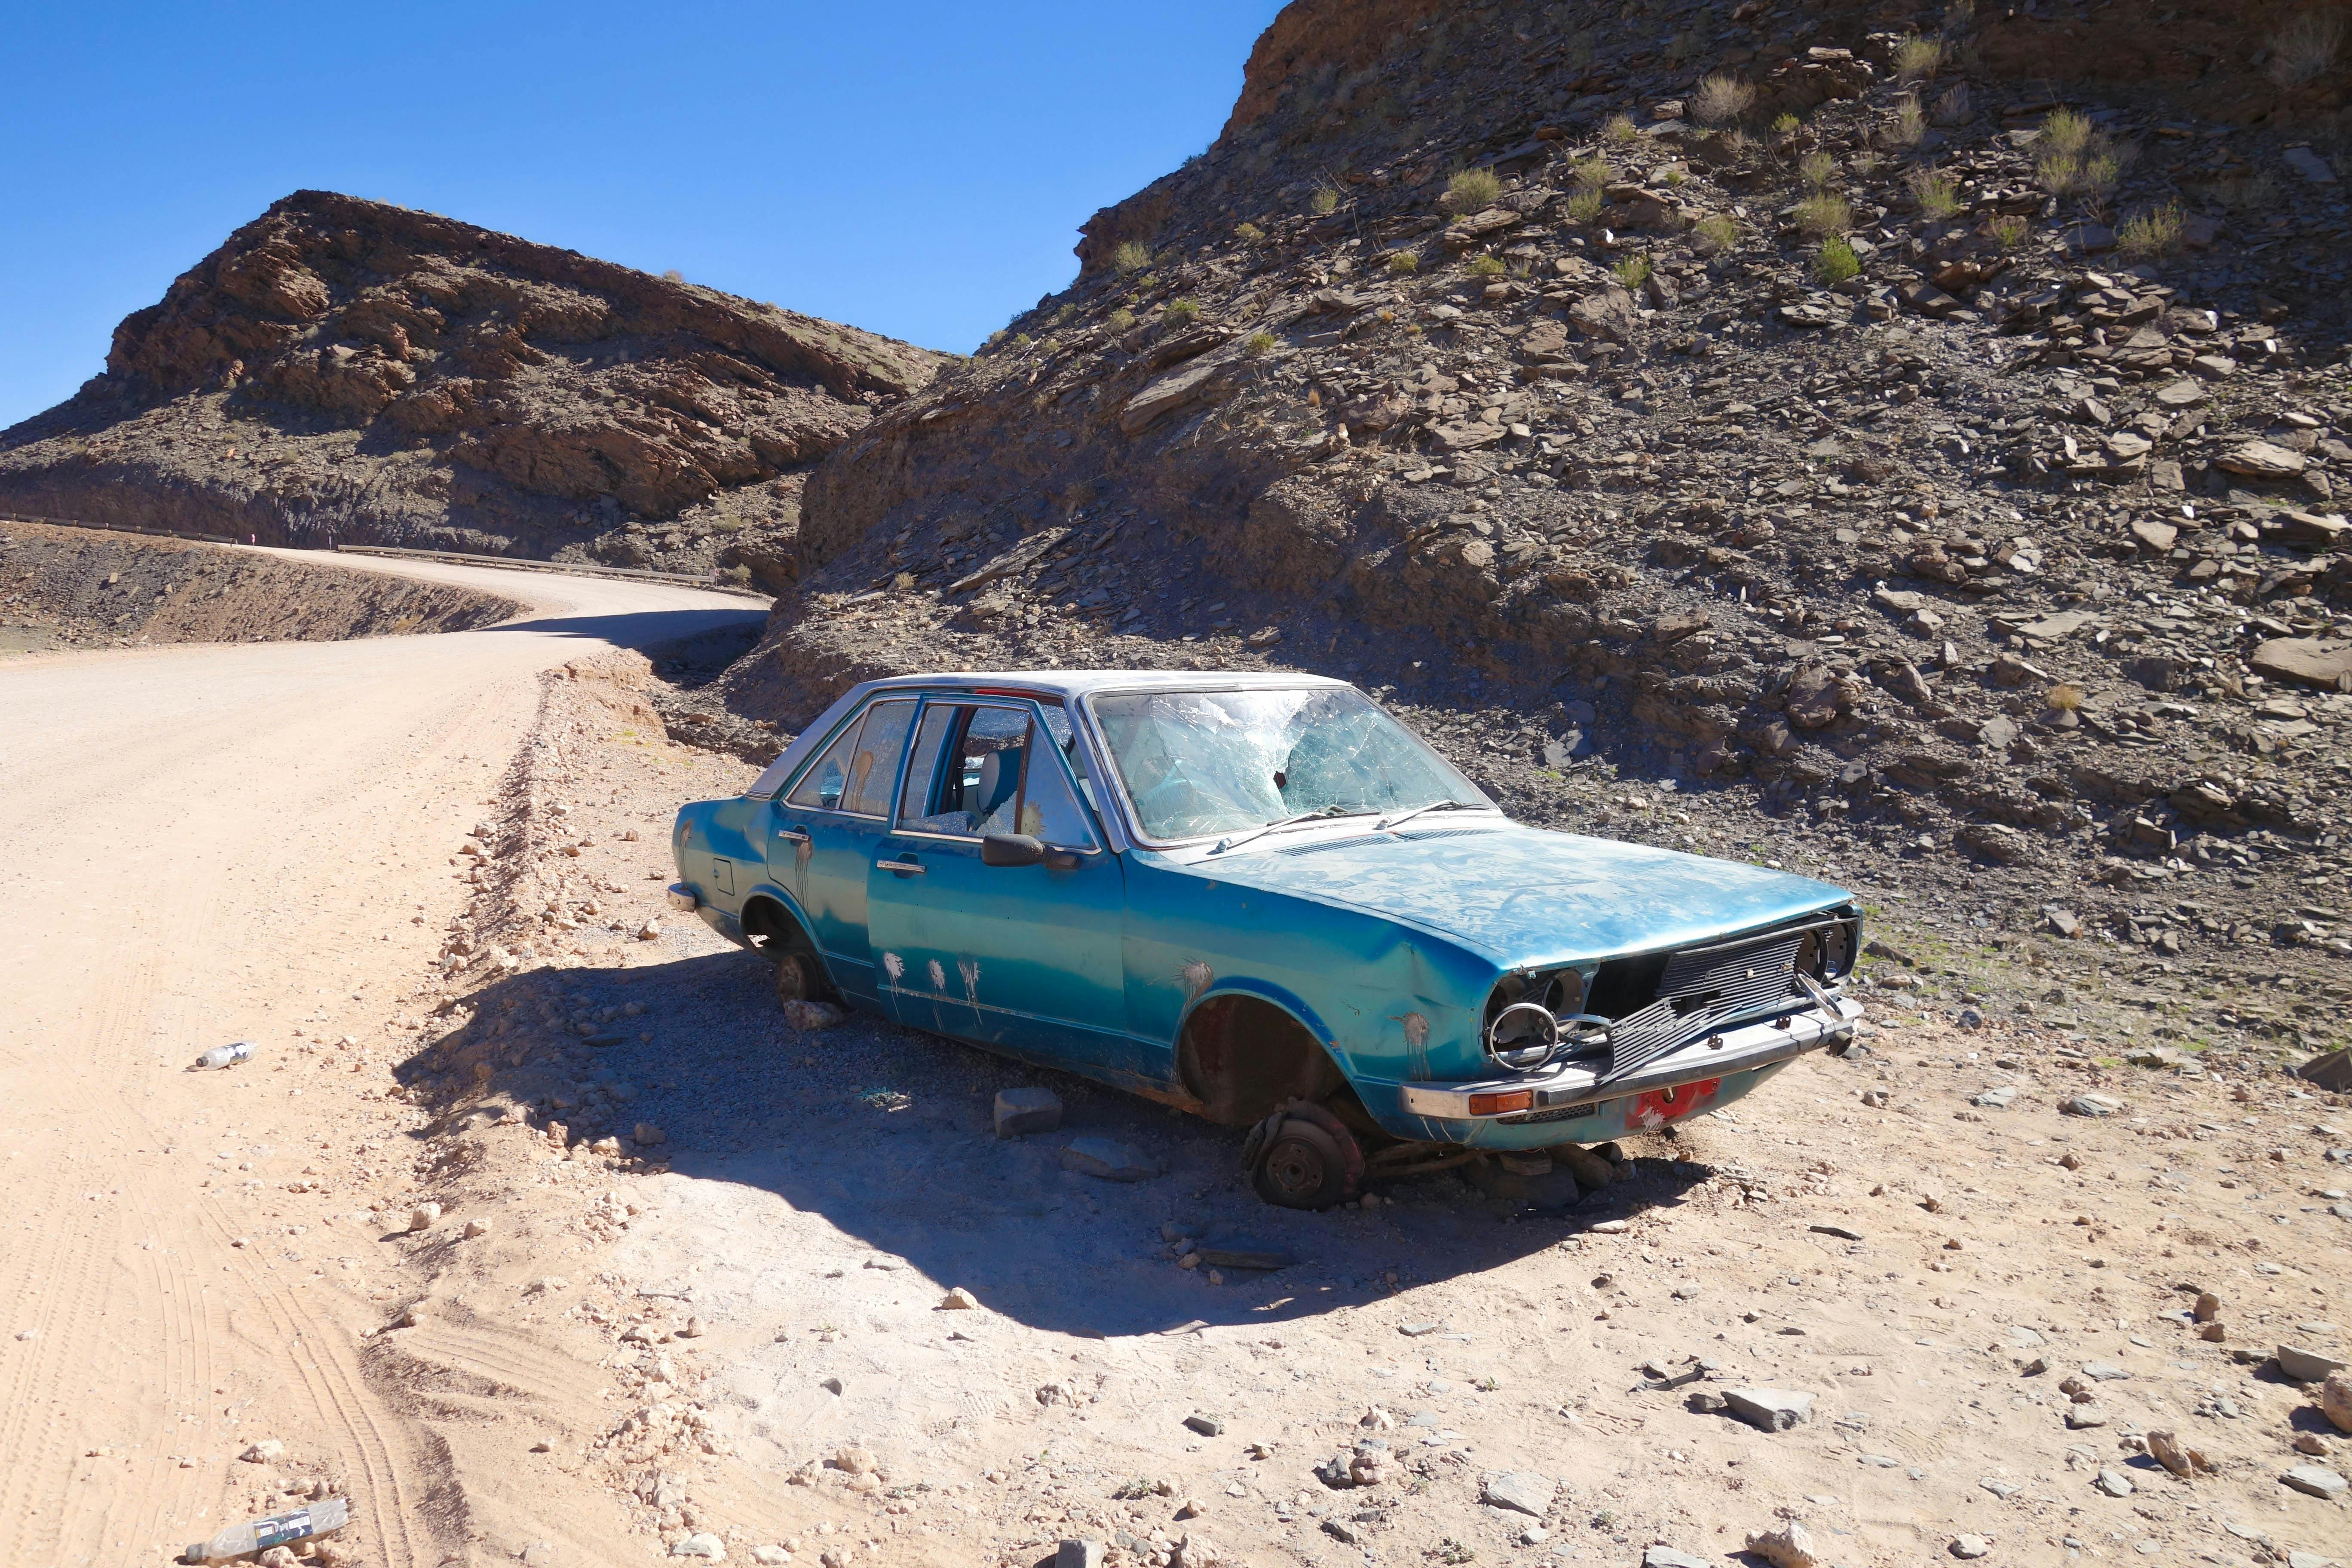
(887, 1133)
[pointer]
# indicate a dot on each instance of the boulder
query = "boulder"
(2325, 664)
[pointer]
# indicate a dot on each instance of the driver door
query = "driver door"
(1022, 959)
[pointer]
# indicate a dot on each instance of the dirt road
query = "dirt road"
(199, 844)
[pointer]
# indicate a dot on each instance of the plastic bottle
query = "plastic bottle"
(261, 1534)
(227, 1055)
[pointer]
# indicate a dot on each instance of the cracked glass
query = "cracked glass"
(1202, 763)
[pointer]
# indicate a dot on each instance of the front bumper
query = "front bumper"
(1565, 1092)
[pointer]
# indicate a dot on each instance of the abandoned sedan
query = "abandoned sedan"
(1262, 900)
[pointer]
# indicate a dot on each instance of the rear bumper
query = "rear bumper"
(1547, 1096)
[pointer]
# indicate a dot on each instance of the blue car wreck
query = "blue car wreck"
(1262, 900)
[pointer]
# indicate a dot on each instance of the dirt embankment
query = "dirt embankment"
(67, 587)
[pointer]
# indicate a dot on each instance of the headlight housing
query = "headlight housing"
(1531, 1018)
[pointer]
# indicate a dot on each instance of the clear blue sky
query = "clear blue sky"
(918, 168)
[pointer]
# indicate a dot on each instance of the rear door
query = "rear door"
(843, 804)
(1023, 959)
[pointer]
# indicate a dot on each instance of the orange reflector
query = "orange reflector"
(1502, 1104)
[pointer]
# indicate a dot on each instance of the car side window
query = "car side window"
(1048, 810)
(829, 777)
(967, 780)
(1057, 724)
(873, 765)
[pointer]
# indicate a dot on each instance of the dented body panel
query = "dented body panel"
(1387, 946)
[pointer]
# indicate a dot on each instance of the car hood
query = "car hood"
(1527, 895)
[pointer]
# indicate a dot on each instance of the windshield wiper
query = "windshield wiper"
(1321, 811)
(1388, 822)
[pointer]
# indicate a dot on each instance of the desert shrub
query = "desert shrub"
(1955, 107)
(2064, 697)
(1021, 340)
(2065, 132)
(2009, 231)
(1621, 131)
(1836, 261)
(1910, 123)
(1633, 272)
(1404, 262)
(1584, 207)
(1249, 234)
(1132, 255)
(1258, 342)
(2306, 45)
(1785, 124)
(1120, 321)
(1675, 177)
(1718, 230)
(1473, 190)
(1592, 174)
(1937, 191)
(2155, 232)
(1825, 213)
(1179, 314)
(1817, 168)
(1487, 266)
(1325, 200)
(1916, 56)
(1720, 100)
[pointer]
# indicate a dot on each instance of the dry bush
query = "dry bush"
(2306, 45)
(1718, 230)
(2155, 232)
(1910, 123)
(1473, 191)
(1121, 321)
(1621, 130)
(1721, 100)
(1132, 255)
(1937, 191)
(1179, 314)
(1325, 200)
(1489, 267)
(1592, 174)
(1584, 207)
(1918, 57)
(1817, 169)
(2065, 132)
(2064, 697)
(1785, 124)
(1955, 107)
(1633, 272)
(2008, 231)
(1258, 342)
(1402, 262)
(1249, 234)
(1825, 213)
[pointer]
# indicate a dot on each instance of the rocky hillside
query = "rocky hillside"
(345, 369)
(1781, 430)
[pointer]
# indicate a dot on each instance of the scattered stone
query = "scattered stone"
(423, 1217)
(2306, 1366)
(263, 1451)
(2336, 1400)
(958, 1300)
(2090, 1105)
(1970, 1546)
(648, 1135)
(1791, 1546)
(1769, 1409)
(1079, 1554)
(701, 1543)
(1107, 1158)
(2167, 1449)
(1206, 1425)
(2261, 461)
(1234, 1252)
(2326, 665)
(2317, 1481)
(2115, 1483)
(1667, 1557)
(1522, 1490)
(1020, 1112)
(476, 1227)
(806, 1016)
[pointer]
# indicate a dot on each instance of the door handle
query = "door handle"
(904, 866)
(793, 835)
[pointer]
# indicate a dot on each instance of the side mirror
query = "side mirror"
(1011, 850)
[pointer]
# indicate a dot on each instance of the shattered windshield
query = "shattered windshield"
(1201, 763)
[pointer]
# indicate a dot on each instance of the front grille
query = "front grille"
(1691, 993)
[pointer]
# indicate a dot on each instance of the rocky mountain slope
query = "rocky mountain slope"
(1934, 475)
(345, 369)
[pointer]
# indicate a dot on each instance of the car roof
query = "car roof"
(1068, 685)
(1072, 683)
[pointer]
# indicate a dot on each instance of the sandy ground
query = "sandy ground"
(701, 1307)
(202, 843)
